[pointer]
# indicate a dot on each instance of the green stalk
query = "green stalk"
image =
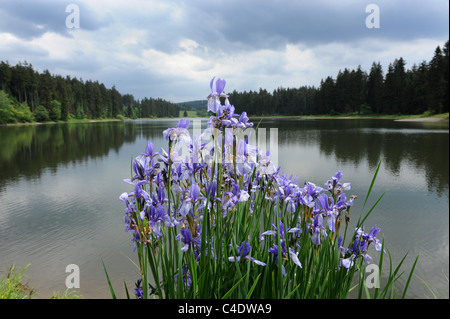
(280, 261)
(409, 277)
(155, 272)
(111, 289)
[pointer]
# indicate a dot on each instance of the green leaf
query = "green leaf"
(229, 292)
(126, 289)
(109, 282)
(253, 287)
(409, 277)
(372, 183)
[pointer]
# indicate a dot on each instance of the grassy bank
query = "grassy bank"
(424, 116)
(13, 286)
(62, 122)
(190, 114)
(193, 114)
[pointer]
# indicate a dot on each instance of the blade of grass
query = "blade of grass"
(428, 287)
(109, 282)
(229, 292)
(372, 183)
(253, 287)
(360, 222)
(409, 277)
(380, 267)
(126, 289)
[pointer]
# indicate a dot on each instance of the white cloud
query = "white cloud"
(171, 50)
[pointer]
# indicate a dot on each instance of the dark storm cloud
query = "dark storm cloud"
(168, 48)
(239, 25)
(28, 19)
(271, 24)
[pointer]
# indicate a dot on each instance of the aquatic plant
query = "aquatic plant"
(212, 216)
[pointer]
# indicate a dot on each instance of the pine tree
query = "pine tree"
(445, 75)
(62, 92)
(5, 76)
(436, 82)
(375, 88)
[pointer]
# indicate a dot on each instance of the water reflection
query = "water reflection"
(59, 185)
(421, 145)
(27, 150)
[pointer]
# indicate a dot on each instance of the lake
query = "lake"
(60, 187)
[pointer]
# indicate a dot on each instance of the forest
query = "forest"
(27, 95)
(421, 89)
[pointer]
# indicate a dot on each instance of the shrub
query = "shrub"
(366, 109)
(55, 110)
(23, 113)
(41, 114)
(79, 113)
(6, 109)
(12, 286)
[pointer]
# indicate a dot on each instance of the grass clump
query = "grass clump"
(12, 285)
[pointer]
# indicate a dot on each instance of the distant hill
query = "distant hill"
(197, 105)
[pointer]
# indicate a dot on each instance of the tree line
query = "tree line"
(27, 95)
(422, 88)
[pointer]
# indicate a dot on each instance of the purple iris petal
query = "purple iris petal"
(211, 84)
(212, 189)
(337, 176)
(148, 149)
(243, 251)
(374, 231)
(183, 123)
(220, 85)
(186, 237)
(347, 262)
(195, 192)
(213, 104)
(294, 257)
(257, 261)
(243, 118)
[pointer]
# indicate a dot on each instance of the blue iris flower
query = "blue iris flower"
(243, 251)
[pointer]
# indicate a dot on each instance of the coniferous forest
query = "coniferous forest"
(27, 95)
(396, 90)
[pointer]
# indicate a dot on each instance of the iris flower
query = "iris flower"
(191, 198)
(243, 251)
(214, 96)
(186, 237)
(284, 251)
(317, 229)
(334, 181)
(180, 131)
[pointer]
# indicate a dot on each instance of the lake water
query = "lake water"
(60, 184)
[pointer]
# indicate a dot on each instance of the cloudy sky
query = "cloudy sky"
(171, 49)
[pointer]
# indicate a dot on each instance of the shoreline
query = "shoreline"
(60, 122)
(423, 119)
(428, 119)
(325, 117)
